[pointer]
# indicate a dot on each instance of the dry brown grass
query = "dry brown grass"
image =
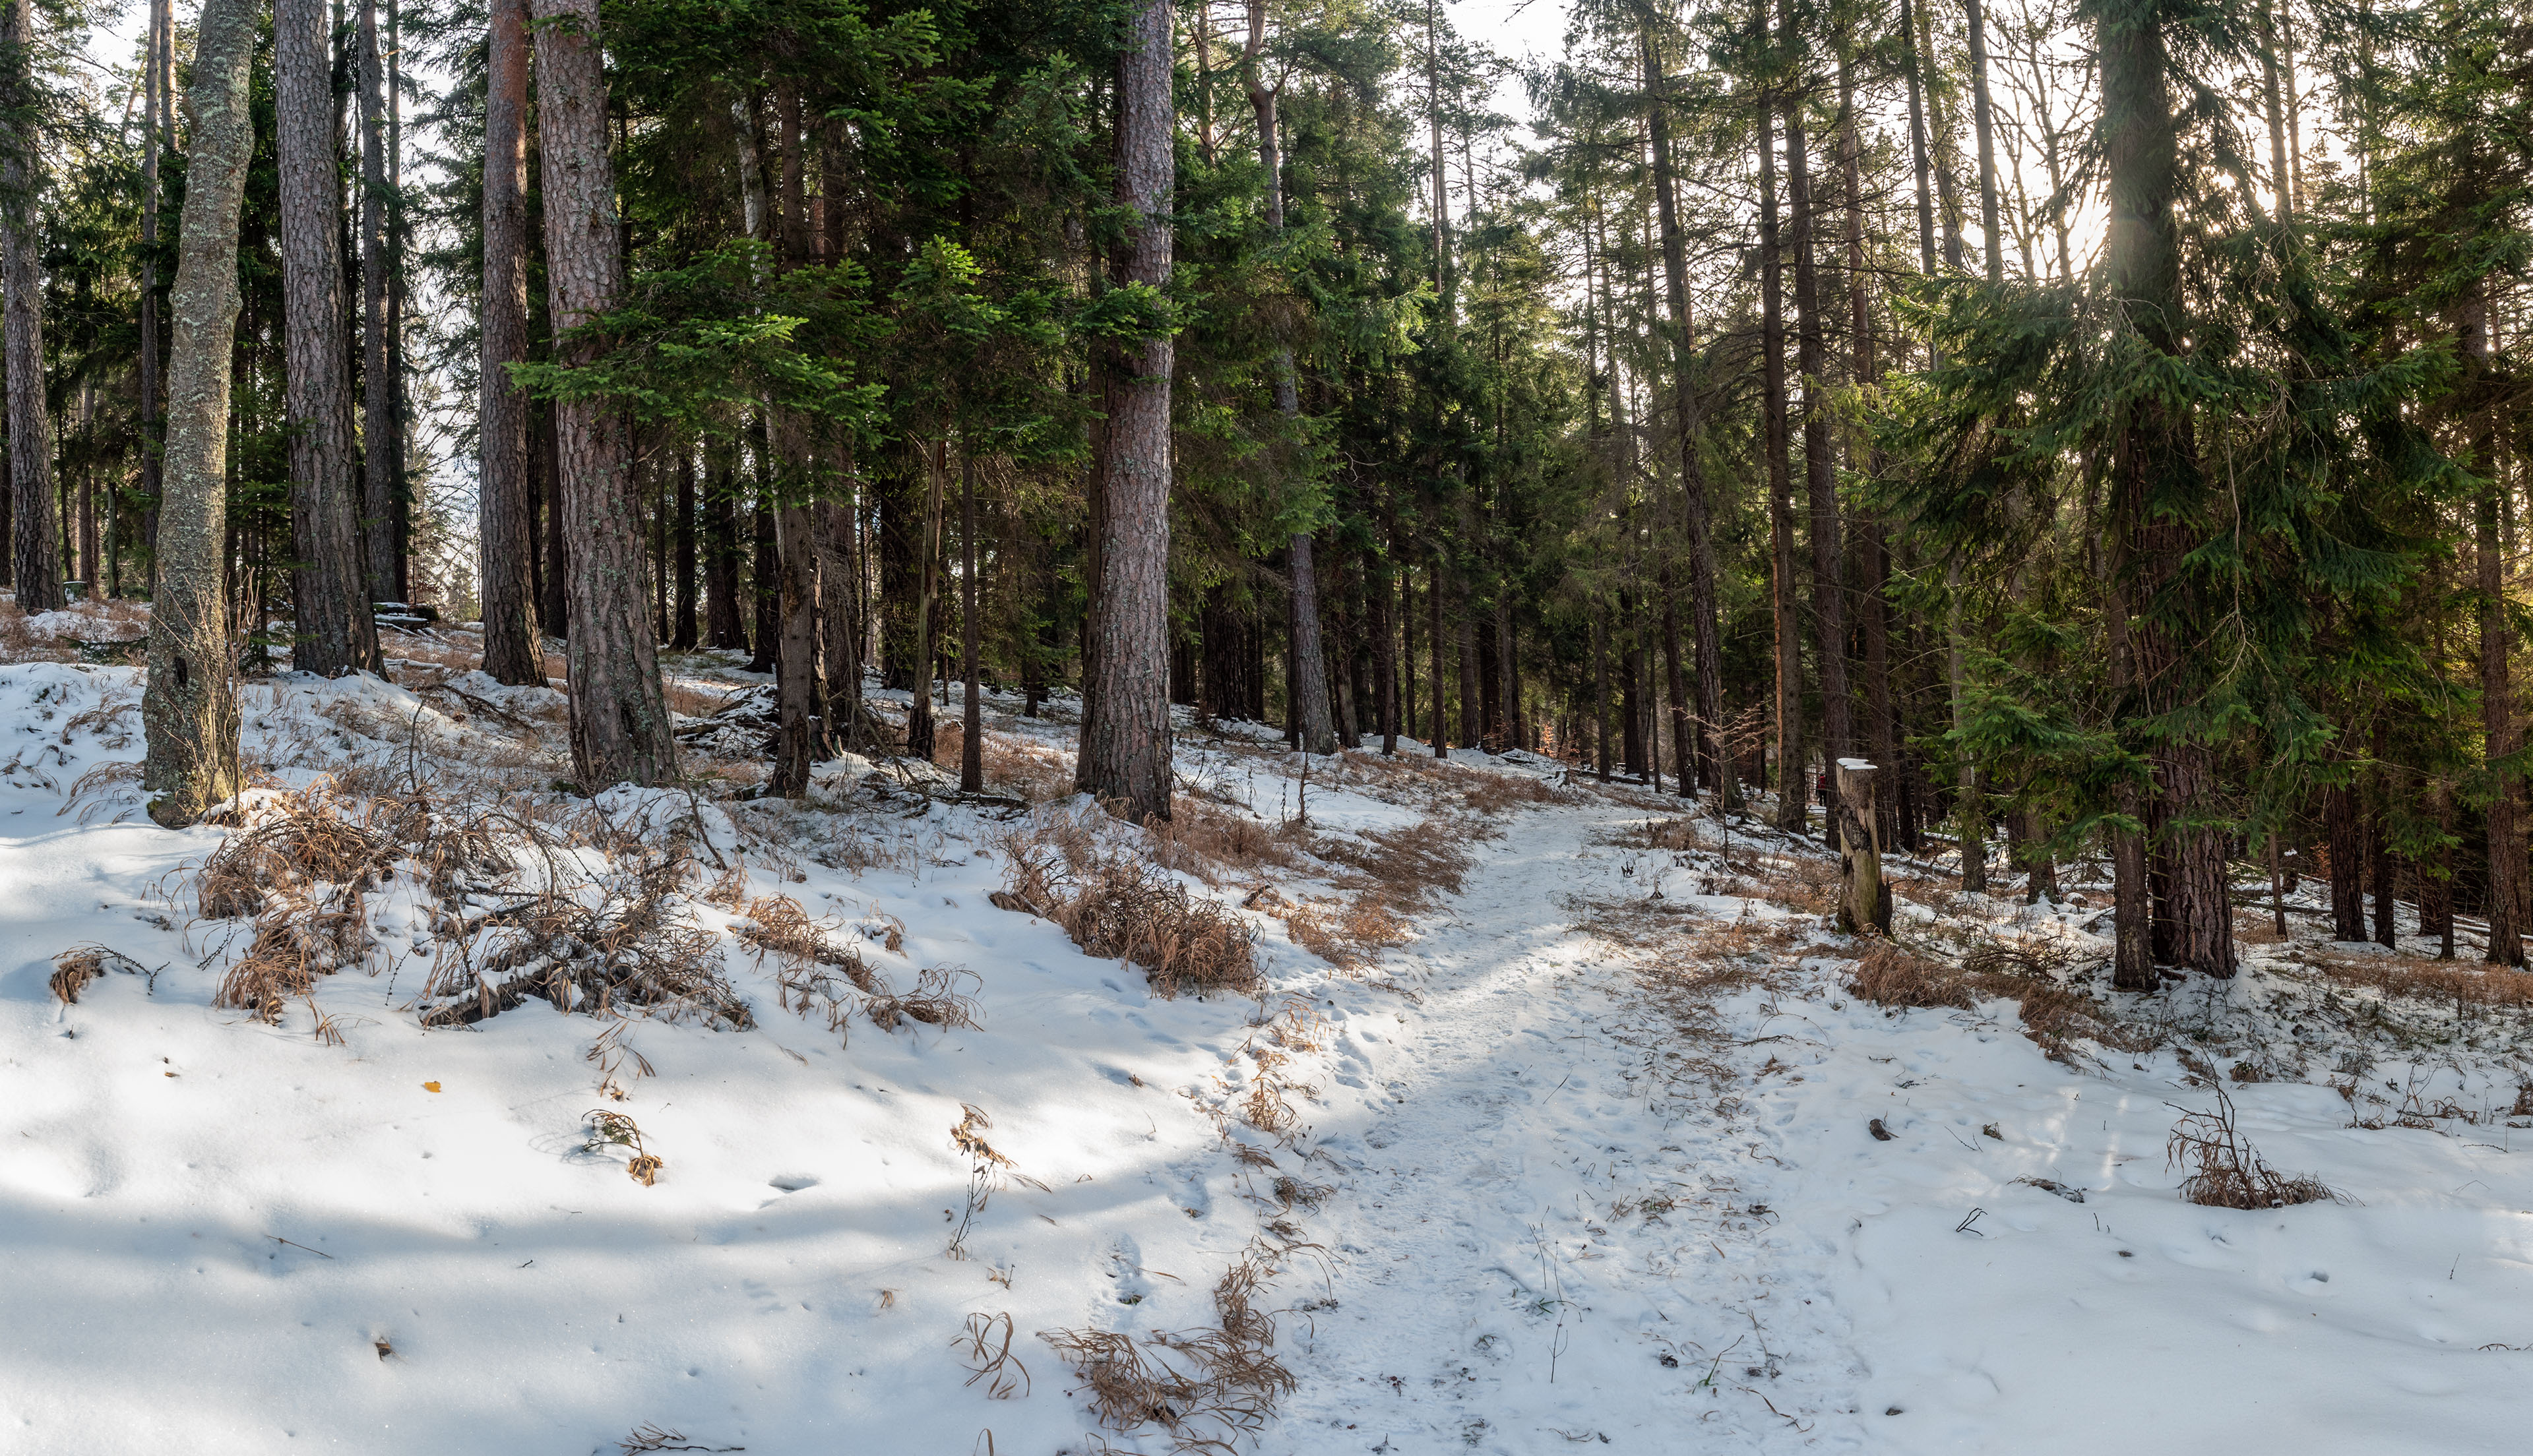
(415, 658)
(74, 967)
(2054, 1017)
(1205, 1389)
(1214, 842)
(803, 949)
(694, 699)
(989, 1358)
(99, 621)
(1352, 934)
(1114, 904)
(2450, 982)
(516, 912)
(615, 1130)
(2228, 1172)
(1413, 865)
(1889, 974)
(625, 938)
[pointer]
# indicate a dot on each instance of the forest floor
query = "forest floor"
(1555, 1118)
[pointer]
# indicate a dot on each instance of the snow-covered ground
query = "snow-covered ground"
(1589, 1160)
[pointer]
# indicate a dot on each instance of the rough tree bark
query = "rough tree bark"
(155, 131)
(2152, 447)
(505, 522)
(189, 708)
(972, 744)
(381, 486)
(35, 536)
(1821, 489)
(1873, 607)
(681, 544)
(798, 698)
(1696, 507)
(1310, 673)
(336, 633)
(725, 626)
(620, 716)
(1992, 250)
(1793, 795)
(1125, 752)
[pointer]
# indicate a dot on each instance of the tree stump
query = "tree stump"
(1865, 903)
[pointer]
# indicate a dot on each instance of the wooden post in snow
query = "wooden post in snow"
(1865, 904)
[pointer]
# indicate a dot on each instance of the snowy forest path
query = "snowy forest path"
(1529, 1243)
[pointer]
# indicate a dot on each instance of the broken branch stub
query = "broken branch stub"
(1864, 901)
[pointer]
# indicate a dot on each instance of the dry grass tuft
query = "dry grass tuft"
(650, 1436)
(615, 1130)
(1352, 934)
(1205, 1389)
(74, 967)
(1116, 906)
(627, 939)
(803, 950)
(2229, 1172)
(2053, 1015)
(2428, 980)
(1212, 844)
(1889, 974)
(1414, 865)
(935, 1001)
(989, 1356)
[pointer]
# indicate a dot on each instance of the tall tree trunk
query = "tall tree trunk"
(1599, 697)
(799, 700)
(1310, 673)
(764, 577)
(2496, 706)
(1696, 504)
(1820, 488)
(507, 522)
(1433, 633)
(154, 131)
(1382, 592)
(725, 624)
(2153, 446)
(1873, 608)
(188, 707)
(971, 742)
(1793, 799)
(918, 718)
(620, 715)
(840, 622)
(2282, 172)
(35, 537)
(336, 632)
(1983, 123)
(545, 451)
(1125, 754)
(681, 550)
(796, 740)
(381, 491)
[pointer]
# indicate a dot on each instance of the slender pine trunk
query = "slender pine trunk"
(1792, 797)
(506, 523)
(1125, 752)
(35, 536)
(621, 727)
(1820, 488)
(188, 707)
(382, 489)
(336, 633)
